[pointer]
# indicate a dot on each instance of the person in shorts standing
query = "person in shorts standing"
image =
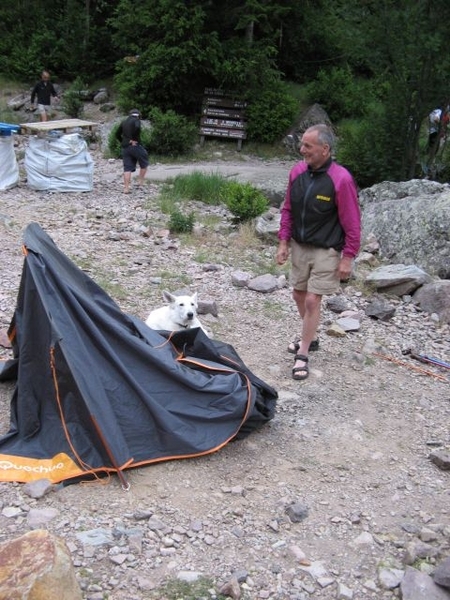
(43, 92)
(133, 153)
(321, 228)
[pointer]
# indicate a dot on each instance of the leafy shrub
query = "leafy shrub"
(113, 143)
(244, 201)
(180, 223)
(271, 114)
(171, 134)
(340, 94)
(114, 147)
(72, 102)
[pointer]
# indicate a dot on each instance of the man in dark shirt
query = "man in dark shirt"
(129, 135)
(43, 92)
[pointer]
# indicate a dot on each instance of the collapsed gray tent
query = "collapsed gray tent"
(97, 391)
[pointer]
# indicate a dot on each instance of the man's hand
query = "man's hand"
(282, 252)
(345, 268)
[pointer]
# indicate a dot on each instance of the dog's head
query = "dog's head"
(183, 308)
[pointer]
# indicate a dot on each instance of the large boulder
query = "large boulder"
(411, 220)
(37, 566)
(313, 115)
(435, 298)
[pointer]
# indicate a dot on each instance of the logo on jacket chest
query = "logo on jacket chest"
(323, 198)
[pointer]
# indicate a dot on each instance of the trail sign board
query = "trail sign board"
(223, 116)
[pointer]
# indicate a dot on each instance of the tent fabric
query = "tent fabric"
(97, 391)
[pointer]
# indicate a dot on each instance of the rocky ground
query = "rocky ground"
(330, 500)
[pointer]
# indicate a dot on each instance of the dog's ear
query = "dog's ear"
(194, 297)
(168, 297)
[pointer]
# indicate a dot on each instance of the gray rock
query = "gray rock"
(107, 107)
(416, 585)
(441, 574)
(338, 304)
(370, 244)
(263, 283)
(267, 225)
(231, 589)
(367, 258)
(297, 512)
(411, 220)
(240, 279)
(37, 517)
(398, 279)
(38, 489)
(207, 307)
(343, 592)
(381, 309)
(189, 576)
(101, 97)
(435, 298)
(441, 459)
(363, 539)
(390, 579)
(95, 537)
(349, 324)
(419, 550)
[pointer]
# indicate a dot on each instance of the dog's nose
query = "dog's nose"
(190, 315)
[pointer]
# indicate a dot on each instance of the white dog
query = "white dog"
(180, 313)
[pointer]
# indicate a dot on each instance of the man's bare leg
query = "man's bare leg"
(126, 181)
(308, 305)
(141, 178)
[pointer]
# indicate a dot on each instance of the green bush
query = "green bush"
(114, 147)
(180, 223)
(72, 100)
(244, 201)
(339, 92)
(271, 114)
(171, 134)
(113, 143)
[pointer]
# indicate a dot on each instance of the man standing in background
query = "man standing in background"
(129, 135)
(43, 92)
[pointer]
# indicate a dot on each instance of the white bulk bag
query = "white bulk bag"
(9, 169)
(61, 164)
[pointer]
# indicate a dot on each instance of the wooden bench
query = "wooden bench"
(223, 116)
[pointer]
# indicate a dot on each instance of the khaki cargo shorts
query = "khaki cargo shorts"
(314, 269)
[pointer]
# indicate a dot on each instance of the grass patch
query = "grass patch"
(203, 187)
(274, 310)
(202, 257)
(202, 589)
(113, 289)
(243, 200)
(172, 280)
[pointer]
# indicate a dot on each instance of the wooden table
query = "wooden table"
(62, 125)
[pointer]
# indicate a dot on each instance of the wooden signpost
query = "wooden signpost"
(222, 116)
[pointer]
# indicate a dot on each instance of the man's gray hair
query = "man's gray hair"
(325, 135)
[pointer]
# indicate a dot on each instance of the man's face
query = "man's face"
(314, 153)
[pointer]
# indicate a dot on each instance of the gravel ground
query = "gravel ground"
(313, 505)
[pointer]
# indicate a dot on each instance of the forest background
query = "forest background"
(378, 67)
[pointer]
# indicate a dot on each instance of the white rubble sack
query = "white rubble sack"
(9, 169)
(60, 164)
